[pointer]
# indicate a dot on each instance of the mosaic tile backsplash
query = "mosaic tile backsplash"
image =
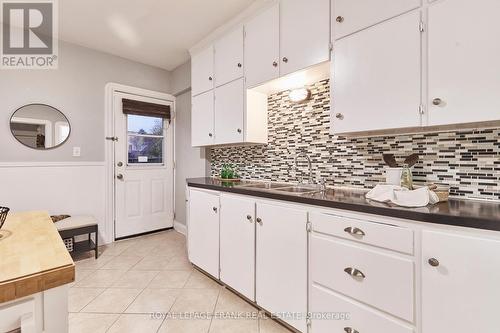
(466, 160)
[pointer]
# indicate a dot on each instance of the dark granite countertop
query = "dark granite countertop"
(456, 212)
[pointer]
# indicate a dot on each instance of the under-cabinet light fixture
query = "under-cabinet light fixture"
(299, 95)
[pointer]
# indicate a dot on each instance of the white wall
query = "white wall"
(53, 180)
(190, 162)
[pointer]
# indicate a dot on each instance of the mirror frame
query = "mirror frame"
(41, 104)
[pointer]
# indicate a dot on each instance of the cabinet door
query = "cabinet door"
(203, 230)
(461, 294)
(229, 109)
(353, 15)
(376, 77)
(202, 119)
(304, 34)
(262, 47)
(464, 66)
(237, 244)
(202, 71)
(229, 57)
(281, 279)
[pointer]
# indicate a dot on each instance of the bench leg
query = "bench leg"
(96, 242)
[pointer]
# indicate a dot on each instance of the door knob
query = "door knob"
(339, 116)
(285, 59)
(119, 164)
(339, 19)
(249, 218)
(119, 176)
(239, 130)
(437, 101)
(259, 221)
(210, 78)
(214, 209)
(275, 64)
(210, 134)
(433, 262)
(239, 65)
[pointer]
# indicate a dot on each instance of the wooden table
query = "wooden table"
(33, 257)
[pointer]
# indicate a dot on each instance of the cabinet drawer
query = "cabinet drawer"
(378, 279)
(350, 315)
(372, 233)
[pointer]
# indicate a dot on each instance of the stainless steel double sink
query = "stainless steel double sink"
(300, 189)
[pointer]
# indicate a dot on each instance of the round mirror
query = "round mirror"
(40, 126)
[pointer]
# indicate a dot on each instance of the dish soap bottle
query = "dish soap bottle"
(406, 177)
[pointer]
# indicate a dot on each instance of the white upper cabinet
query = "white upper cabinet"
(376, 77)
(304, 34)
(460, 277)
(350, 16)
(229, 112)
(202, 71)
(464, 65)
(237, 243)
(202, 119)
(262, 47)
(229, 57)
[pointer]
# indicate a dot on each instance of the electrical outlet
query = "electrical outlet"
(76, 151)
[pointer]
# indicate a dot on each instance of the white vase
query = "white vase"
(393, 176)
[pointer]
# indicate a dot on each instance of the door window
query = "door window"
(145, 139)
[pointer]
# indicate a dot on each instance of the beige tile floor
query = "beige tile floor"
(133, 279)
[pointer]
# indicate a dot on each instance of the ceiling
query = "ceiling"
(153, 32)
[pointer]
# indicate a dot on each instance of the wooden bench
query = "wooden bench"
(76, 226)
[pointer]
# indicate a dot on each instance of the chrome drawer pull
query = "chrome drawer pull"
(350, 330)
(354, 272)
(354, 231)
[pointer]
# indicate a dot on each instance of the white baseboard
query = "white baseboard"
(180, 227)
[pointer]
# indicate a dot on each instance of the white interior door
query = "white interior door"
(143, 170)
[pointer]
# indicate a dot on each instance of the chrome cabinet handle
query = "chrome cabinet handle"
(354, 272)
(119, 176)
(239, 65)
(259, 221)
(350, 330)
(249, 218)
(433, 262)
(354, 231)
(339, 19)
(437, 101)
(214, 209)
(339, 116)
(285, 59)
(275, 64)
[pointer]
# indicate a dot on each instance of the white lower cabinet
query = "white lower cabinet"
(460, 276)
(237, 243)
(203, 230)
(281, 264)
(384, 281)
(331, 312)
(344, 273)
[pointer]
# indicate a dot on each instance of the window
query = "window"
(145, 139)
